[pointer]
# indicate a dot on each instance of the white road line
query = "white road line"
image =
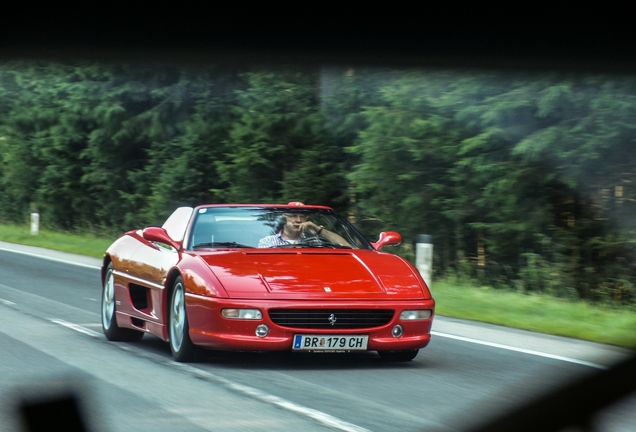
(521, 350)
(77, 328)
(319, 416)
(51, 258)
(7, 302)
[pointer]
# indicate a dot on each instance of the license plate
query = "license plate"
(330, 343)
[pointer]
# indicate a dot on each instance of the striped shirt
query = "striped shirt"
(275, 240)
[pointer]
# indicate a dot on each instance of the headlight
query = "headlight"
(248, 314)
(410, 315)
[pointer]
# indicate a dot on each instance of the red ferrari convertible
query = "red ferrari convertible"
(260, 277)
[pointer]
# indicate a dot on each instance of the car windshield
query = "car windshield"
(272, 227)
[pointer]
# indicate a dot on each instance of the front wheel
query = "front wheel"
(398, 356)
(183, 350)
(109, 321)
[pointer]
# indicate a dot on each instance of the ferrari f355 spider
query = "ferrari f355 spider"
(291, 277)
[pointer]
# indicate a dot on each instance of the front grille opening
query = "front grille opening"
(331, 318)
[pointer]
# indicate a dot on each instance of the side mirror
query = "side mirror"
(158, 234)
(388, 238)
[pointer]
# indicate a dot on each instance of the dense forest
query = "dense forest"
(524, 181)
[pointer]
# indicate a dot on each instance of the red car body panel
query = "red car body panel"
(304, 274)
(265, 279)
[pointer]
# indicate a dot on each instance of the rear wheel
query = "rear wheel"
(181, 345)
(398, 356)
(109, 321)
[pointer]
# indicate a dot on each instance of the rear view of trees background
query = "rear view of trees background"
(524, 181)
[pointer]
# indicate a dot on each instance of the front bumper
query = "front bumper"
(209, 329)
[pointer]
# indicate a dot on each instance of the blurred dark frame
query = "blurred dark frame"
(571, 42)
(452, 37)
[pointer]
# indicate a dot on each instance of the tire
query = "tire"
(109, 321)
(183, 350)
(398, 356)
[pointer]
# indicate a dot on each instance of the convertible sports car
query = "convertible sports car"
(262, 278)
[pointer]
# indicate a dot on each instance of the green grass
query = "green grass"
(82, 244)
(540, 313)
(537, 312)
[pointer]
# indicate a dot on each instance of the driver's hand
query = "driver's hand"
(308, 227)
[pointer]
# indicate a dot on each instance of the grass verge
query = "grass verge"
(82, 244)
(534, 312)
(537, 312)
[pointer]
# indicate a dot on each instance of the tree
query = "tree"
(405, 156)
(277, 150)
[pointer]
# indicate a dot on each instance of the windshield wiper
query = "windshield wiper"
(338, 246)
(312, 242)
(292, 245)
(221, 244)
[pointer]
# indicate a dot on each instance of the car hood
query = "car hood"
(303, 274)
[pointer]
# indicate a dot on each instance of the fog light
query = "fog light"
(397, 331)
(249, 314)
(262, 331)
(422, 314)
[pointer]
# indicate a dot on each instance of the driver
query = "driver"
(296, 228)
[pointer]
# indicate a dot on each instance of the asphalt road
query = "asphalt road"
(51, 345)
